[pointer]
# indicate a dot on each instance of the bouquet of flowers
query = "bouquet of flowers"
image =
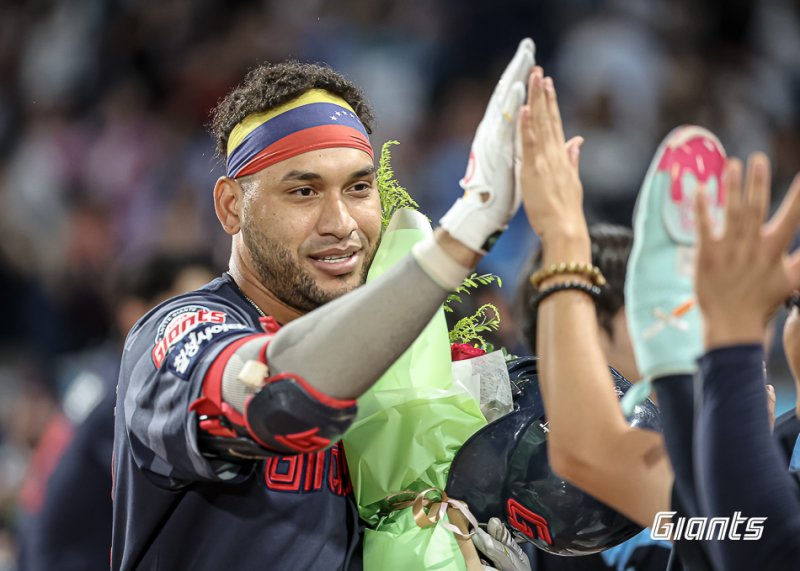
(410, 426)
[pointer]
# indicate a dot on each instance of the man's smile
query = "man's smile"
(337, 261)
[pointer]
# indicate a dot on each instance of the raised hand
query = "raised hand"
(552, 192)
(490, 198)
(744, 273)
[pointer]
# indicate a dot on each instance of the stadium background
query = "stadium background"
(104, 160)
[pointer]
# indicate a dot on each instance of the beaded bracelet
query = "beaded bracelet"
(592, 273)
(592, 291)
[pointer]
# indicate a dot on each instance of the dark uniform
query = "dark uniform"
(175, 508)
(741, 469)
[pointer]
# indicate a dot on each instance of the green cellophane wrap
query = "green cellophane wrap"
(397, 543)
(410, 425)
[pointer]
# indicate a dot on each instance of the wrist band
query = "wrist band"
(592, 291)
(588, 271)
(440, 267)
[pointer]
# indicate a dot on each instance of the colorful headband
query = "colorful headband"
(315, 120)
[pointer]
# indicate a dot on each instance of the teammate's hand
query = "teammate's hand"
(548, 172)
(742, 275)
(500, 548)
(490, 197)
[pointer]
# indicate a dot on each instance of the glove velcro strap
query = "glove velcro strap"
(492, 240)
(473, 224)
(438, 265)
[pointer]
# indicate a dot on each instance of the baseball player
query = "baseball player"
(232, 398)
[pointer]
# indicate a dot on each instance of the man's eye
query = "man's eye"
(305, 191)
(361, 187)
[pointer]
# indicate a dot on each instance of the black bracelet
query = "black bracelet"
(591, 290)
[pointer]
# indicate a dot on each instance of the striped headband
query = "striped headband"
(315, 120)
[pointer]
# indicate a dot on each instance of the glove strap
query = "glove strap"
(440, 267)
(473, 224)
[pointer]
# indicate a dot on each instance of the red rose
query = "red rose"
(462, 351)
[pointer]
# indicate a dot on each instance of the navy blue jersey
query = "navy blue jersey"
(740, 468)
(176, 509)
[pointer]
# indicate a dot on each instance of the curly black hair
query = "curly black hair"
(611, 248)
(271, 85)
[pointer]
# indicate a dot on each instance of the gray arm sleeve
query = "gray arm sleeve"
(343, 347)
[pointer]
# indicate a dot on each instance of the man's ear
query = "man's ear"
(228, 197)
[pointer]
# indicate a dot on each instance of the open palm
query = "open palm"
(744, 273)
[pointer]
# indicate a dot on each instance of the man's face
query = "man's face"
(311, 225)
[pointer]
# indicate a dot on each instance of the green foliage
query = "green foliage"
(393, 196)
(468, 329)
(487, 317)
(472, 282)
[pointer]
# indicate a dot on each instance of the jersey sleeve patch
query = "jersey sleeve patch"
(185, 332)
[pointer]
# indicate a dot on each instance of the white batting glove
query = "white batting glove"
(500, 548)
(490, 196)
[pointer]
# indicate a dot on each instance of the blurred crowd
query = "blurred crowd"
(105, 162)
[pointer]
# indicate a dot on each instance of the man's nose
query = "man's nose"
(335, 218)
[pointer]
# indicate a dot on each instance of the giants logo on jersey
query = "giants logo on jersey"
(177, 324)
